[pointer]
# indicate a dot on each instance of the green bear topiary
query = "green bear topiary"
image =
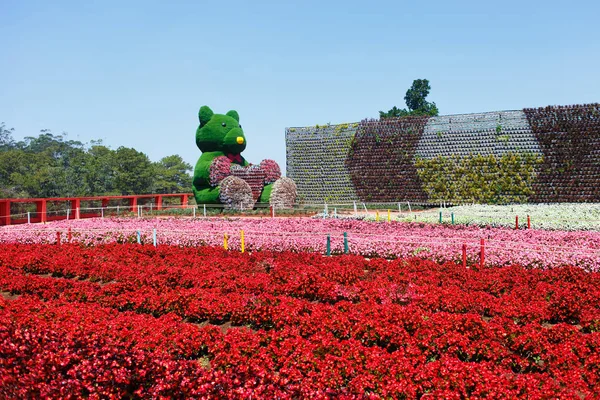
(222, 175)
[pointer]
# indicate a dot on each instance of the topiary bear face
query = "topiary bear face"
(220, 132)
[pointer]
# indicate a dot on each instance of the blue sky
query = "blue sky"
(134, 73)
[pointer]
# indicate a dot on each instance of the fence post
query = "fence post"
(272, 211)
(139, 237)
(154, 237)
(194, 212)
(28, 218)
(68, 212)
(77, 215)
(482, 253)
(204, 206)
(409, 209)
(102, 212)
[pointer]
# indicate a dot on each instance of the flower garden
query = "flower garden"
(157, 308)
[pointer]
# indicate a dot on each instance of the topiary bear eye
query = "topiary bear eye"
(224, 124)
(240, 126)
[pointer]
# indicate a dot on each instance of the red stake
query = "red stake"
(482, 253)
(464, 255)
(528, 222)
(272, 212)
(58, 238)
(69, 235)
(516, 222)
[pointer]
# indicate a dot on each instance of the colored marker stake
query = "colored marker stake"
(328, 245)
(464, 255)
(482, 253)
(345, 243)
(242, 240)
(225, 246)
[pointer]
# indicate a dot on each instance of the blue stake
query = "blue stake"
(328, 245)
(345, 243)
(139, 237)
(154, 237)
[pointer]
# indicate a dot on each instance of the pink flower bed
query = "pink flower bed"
(443, 243)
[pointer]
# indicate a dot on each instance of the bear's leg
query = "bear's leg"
(265, 195)
(283, 193)
(209, 195)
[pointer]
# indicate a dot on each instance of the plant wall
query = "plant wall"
(381, 159)
(316, 158)
(569, 137)
(542, 155)
(481, 179)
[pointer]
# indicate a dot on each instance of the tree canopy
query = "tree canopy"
(51, 166)
(416, 102)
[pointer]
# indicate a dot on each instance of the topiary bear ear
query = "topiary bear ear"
(233, 114)
(205, 114)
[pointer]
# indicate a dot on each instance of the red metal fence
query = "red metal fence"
(73, 206)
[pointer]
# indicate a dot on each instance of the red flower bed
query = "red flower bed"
(129, 320)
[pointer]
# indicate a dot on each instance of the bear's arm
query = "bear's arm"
(202, 169)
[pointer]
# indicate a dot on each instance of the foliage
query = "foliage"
(477, 178)
(51, 166)
(171, 175)
(415, 101)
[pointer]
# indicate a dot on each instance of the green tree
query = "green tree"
(133, 172)
(6, 140)
(172, 175)
(415, 101)
(101, 170)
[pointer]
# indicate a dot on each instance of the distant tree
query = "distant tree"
(134, 172)
(51, 166)
(415, 101)
(6, 140)
(101, 170)
(172, 175)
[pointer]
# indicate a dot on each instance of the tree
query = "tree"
(134, 172)
(6, 140)
(171, 175)
(415, 101)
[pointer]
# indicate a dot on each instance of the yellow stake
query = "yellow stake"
(389, 217)
(242, 238)
(225, 241)
(377, 216)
